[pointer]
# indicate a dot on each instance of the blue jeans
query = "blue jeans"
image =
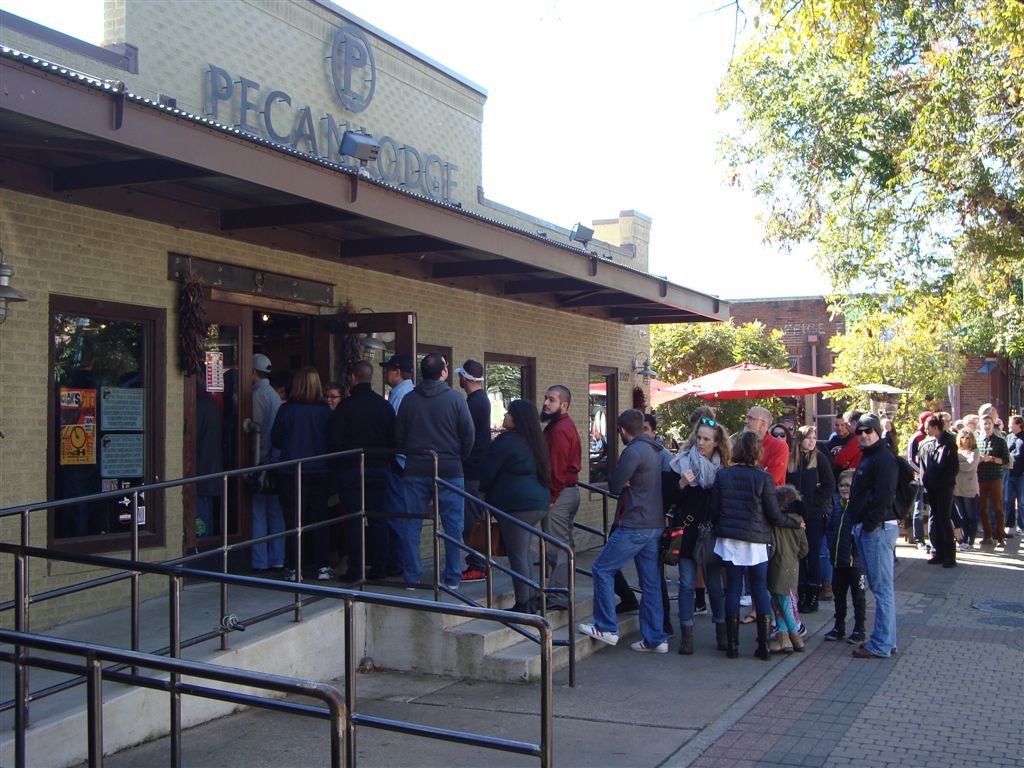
(826, 561)
(267, 518)
(876, 550)
(641, 544)
(757, 576)
(713, 584)
(406, 529)
(419, 493)
(1013, 500)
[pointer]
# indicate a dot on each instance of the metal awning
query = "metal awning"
(73, 138)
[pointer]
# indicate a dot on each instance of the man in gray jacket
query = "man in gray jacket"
(640, 521)
(434, 417)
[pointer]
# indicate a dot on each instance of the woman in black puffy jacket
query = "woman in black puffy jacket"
(744, 508)
(810, 471)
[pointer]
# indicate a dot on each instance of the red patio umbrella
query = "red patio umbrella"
(745, 381)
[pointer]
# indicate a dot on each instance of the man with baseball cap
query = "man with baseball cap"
(267, 515)
(872, 511)
(471, 379)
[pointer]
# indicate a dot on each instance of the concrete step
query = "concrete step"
(520, 661)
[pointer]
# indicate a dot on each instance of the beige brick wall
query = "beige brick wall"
(57, 248)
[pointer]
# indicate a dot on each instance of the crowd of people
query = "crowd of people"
(395, 447)
(792, 519)
(774, 517)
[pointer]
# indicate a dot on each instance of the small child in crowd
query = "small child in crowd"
(789, 546)
(847, 572)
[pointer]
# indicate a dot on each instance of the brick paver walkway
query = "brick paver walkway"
(951, 697)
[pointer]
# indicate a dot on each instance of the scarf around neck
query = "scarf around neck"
(703, 469)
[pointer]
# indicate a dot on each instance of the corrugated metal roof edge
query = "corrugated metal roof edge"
(118, 87)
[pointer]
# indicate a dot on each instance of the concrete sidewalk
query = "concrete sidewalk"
(950, 697)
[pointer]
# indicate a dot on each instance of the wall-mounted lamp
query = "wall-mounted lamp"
(7, 294)
(581, 234)
(371, 342)
(643, 367)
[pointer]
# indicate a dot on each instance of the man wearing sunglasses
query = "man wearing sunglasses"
(872, 511)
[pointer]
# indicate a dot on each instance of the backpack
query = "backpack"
(907, 486)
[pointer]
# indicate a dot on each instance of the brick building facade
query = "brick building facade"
(207, 135)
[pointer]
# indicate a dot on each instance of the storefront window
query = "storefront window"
(507, 378)
(602, 397)
(103, 414)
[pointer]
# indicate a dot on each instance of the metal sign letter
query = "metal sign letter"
(353, 69)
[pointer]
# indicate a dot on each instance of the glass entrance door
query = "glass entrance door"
(216, 403)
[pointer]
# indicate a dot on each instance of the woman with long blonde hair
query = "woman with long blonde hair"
(810, 472)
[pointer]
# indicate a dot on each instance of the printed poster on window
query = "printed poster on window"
(121, 409)
(214, 371)
(77, 426)
(121, 455)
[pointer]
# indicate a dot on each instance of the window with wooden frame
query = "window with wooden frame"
(105, 420)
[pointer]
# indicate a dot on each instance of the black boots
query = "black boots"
(686, 641)
(810, 599)
(764, 624)
(720, 637)
(732, 635)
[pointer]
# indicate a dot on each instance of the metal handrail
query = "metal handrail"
(94, 672)
(177, 574)
(544, 539)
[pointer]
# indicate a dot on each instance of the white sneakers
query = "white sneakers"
(643, 647)
(608, 638)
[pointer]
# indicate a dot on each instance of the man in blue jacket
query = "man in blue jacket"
(637, 481)
(434, 417)
(872, 511)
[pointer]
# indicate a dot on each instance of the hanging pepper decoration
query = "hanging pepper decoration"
(639, 399)
(191, 324)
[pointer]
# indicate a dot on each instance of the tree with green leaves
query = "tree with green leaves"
(888, 134)
(910, 351)
(685, 350)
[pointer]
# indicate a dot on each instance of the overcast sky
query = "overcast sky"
(590, 111)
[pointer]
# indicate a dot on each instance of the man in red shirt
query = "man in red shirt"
(775, 454)
(563, 441)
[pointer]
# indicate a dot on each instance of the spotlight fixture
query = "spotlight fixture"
(581, 235)
(360, 146)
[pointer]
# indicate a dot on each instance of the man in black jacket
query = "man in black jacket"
(940, 471)
(363, 420)
(872, 511)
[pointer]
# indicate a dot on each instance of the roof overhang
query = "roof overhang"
(73, 138)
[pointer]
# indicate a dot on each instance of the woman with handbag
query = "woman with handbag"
(744, 509)
(697, 464)
(810, 472)
(515, 477)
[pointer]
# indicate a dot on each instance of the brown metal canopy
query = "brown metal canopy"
(70, 137)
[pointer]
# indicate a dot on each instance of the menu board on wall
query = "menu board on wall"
(77, 426)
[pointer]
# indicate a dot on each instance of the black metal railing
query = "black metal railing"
(94, 673)
(176, 574)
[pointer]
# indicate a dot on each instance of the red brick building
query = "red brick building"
(808, 327)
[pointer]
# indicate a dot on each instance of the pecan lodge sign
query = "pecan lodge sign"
(253, 107)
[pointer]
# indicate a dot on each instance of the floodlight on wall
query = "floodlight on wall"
(581, 234)
(643, 367)
(7, 293)
(359, 146)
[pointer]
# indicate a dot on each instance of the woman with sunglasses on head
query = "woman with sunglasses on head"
(810, 471)
(697, 464)
(744, 508)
